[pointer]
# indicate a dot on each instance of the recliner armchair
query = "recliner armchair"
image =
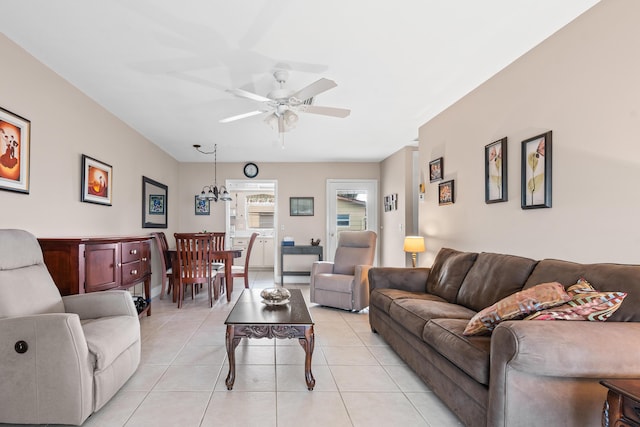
(61, 358)
(344, 283)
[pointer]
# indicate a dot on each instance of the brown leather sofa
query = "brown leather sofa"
(527, 372)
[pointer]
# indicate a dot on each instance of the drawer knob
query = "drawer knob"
(133, 251)
(119, 264)
(144, 258)
(133, 272)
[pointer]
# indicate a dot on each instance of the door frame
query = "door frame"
(333, 185)
(246, 185)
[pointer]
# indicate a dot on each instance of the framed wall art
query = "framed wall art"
(15, 143)
(495, 172)
(202, 206)
(536, 172)
(391, 202)
(301, 206)
(446, 193)
(155, 198)
(436, 171)
(96, 182)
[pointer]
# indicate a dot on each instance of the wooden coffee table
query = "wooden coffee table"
(251, 318)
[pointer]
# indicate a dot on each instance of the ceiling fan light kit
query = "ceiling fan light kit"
(283, 104)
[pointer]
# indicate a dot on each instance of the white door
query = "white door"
(352, 204)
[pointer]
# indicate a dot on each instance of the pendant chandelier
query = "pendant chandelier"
(211, 192)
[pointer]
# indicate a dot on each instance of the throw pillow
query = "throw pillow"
(517, 306)
(586, 304)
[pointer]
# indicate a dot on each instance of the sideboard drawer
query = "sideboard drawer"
(131, 272)
(131, 251)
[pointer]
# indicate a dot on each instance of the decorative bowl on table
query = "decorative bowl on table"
(275, 296)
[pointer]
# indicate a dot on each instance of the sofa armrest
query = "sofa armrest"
(407, 279)
(100, 304)
(573, 349)
(321, 267)
(360, 290)
(52, 381)
(549, 371)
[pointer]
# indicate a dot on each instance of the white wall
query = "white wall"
(583, 84)
(65, 124)
(397, 173)
(294, 180)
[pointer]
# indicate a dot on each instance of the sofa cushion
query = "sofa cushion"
(493, 277)
(448, 271)
(413, 314)
(586, 304)
(108, 337)
(517, 306)
(382, 298)
(604, 277)
(471, 354)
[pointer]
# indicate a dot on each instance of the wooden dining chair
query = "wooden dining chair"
(243, 271)
(194, 263)
(217, 266)
(165, 263)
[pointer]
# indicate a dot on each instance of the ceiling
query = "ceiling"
(164, 66)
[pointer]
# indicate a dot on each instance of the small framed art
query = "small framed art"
(446, 193)
(155, 199)
(536, 172)
(436, 169)
(495, 172)
(202, 206)
(301, 206)
(96, 183)
(15, 143)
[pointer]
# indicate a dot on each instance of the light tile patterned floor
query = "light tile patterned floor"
(360, 381)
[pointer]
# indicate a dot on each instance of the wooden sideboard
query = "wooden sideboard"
(80, 265)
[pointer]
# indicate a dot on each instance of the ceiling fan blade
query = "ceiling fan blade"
(241, 116)
(325, 111)
(250, 95)
(314, 89)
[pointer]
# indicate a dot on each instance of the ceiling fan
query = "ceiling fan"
(283, 104)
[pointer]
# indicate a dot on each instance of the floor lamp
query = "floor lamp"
(413, 245)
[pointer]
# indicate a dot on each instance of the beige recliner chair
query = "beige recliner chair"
(344, 283)
(61, 358)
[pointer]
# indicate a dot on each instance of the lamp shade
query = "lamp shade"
(414, 244)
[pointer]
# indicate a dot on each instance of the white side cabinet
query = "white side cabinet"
(262, 255)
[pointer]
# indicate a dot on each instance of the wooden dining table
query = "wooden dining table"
(226, 255)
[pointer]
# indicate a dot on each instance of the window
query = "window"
(344, 220)
(259, 211)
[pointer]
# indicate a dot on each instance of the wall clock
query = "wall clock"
(250, 170)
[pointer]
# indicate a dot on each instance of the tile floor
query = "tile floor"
(359, 380)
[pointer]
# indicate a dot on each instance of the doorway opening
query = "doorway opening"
(351, 205)
(254, 209)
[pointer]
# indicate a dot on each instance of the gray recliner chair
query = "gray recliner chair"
(344, 283)
(61, 358)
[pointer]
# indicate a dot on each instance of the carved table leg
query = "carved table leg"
(308, 343)
(232, 342)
